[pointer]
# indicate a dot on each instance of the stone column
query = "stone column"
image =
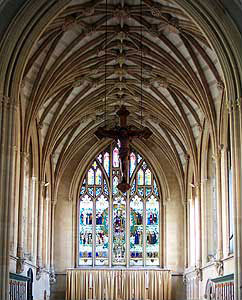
(198, 226)
(52, 236)
(40, 230)
(7, 142)
(22, 213)
(217, 158)
(235, 129)
(31, 222)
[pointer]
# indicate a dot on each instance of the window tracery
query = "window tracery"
(118, 229)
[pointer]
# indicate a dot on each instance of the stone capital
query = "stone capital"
(8, 102)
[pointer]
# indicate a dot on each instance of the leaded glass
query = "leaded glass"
(85, 231)
(141, 191)
(106, 162)
(115, 158)
(83, 189)
(90, 177)
(91, 191)
(136, 231)
(98, 177)
(115, 183)
(152, 231)
(98, 191)
(132, 163)
(119, 236)
(133, 188)
(111, 221)
(140, 176)
(102, 206)
(147, 177)
(155, 188)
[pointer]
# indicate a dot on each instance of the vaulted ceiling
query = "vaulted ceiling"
(157, 62)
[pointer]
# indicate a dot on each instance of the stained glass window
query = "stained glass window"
(119, 229)
(115, 158)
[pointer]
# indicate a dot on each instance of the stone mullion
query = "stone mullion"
(7, 126)
(49, 234)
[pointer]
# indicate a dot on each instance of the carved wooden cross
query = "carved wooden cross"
(124, 134)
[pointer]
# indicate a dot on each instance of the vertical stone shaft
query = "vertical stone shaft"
(7, 141)
(22, 218)
(219, 206)
(40, 224)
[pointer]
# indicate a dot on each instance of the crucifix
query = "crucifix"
(124, 134)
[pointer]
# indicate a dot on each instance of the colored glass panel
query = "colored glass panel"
(115, 158)
(85, 231)
(132, 163)
(90, 177)
(91, 191)
(83, 189)
(141, 191)
(152, 231)
(136, 231)
(140, 177)
(98, 191)
(98, 177)
(147, 191)
(148, 177)
(106, 162)
(133, 188)
(94, 165)
(119, 236)
(115, 184)
(139, 158)
(105, 187)
(100, 158)
(102, 206)
(155, 188)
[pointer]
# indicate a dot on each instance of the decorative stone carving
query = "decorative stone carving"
(39, 272)
(220, 85)
(20, 265)
(199, 274)
(69, 22)
(52, 276)
(88, 11)
(156, 10)
(219, 265)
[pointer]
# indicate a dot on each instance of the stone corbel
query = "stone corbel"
(219, 265)
(199, 273)
(52, 276)
(20, 265)
(39, 272)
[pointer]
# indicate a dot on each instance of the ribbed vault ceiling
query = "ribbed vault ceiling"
(64, 79)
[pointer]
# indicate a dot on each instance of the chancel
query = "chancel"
(92, 205)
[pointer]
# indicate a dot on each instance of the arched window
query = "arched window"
(117, 229)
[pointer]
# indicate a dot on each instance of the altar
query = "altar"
(116, 284)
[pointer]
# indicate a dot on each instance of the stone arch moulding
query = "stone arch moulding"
(86, 160)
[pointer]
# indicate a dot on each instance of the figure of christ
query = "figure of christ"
(124, 134)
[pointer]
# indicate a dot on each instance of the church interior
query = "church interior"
(120, 149)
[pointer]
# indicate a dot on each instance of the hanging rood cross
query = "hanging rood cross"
(124, 134)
